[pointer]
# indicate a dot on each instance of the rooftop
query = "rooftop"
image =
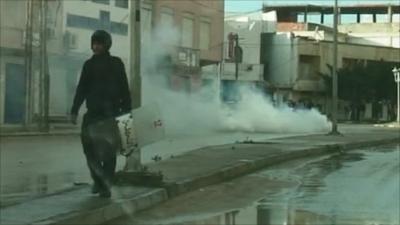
(344, 9)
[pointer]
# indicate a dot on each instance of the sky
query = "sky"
(250, 5)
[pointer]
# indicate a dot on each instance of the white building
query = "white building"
(248, 28)
(70, 25)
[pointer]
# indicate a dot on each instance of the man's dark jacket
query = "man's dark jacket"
(104, 86)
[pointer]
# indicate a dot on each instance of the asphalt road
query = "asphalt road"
(355, 188)
(31, 166)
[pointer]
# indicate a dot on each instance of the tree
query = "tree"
(360, 83)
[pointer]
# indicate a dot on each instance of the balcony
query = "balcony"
(186, 57)
(185, 61)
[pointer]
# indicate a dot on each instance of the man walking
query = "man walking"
(103, 85)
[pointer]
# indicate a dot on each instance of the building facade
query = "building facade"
(194, 29)
(22, 73)
(69, 25)
(296, 51)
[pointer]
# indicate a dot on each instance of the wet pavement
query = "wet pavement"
(34, 166)
(358, 187)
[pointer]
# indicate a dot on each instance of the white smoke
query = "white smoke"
(202, 112)
(256, 113)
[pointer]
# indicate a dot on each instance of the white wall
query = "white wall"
(379, 39)
(249, 31)
(381, 34)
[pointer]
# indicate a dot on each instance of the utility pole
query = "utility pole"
(334, 73)
(237, 50)
(44, 72)
(133, 162)
(135, 54)
(28, 61)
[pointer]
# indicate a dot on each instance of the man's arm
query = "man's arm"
(81, 90)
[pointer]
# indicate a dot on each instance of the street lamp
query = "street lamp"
(396, 73)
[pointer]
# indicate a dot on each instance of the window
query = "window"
(167, 17)
(119, 28)
(105, 2)
(122, 3)
(187, 32)
(94, 24)
(105, 20)
(309, 67)
(146, 24)
(82, 22)
(205, 29)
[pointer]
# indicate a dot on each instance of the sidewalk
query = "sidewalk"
(188, 172)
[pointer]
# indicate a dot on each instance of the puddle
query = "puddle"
(356, 188)
(28, 187)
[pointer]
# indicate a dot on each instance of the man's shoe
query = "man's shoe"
(95, 189)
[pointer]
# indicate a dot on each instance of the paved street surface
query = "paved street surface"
(32, 166)
(359, 187)
(48, 164)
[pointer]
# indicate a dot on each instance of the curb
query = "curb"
(31, 134)
(109, 212)
(242, 168)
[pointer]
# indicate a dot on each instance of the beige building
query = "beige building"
(200, 24)
(198, 29)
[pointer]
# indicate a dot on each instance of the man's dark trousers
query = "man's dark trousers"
(99, 144)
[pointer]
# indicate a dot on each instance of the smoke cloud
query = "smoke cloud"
(203, 112)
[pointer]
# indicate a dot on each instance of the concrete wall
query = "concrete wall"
(249, 38)
(381, 34)
(11, 23)
(379, 39)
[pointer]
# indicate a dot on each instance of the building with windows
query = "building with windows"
(69, 25)
(198, 35)
(198, 28)
(242, 42)
(23, 86)
(81, 18)
(296, 51)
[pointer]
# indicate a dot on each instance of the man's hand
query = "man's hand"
(74, 119)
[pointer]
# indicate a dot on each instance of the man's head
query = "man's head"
(101, 42)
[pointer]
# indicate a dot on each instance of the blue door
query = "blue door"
(15, 94)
